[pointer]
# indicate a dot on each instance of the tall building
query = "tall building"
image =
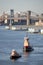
(28, 17)
(11, 16)
(12, 13)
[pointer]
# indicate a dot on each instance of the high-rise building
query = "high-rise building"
(12, 13)
(11, 17)
(28, 17)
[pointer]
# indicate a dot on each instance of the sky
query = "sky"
(21, 5)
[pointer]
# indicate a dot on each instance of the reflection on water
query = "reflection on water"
(26, 54)
(14, 40)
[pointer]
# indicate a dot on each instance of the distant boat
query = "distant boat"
(7, 27)
(31, 30)
(36, 31)
(10, 28)
(41, 31)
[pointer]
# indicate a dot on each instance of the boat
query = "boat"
(14, 55)
(27, 47)
(7, 27)
(41, 31)
(31, 30)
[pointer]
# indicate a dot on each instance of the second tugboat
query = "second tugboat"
(14, 55)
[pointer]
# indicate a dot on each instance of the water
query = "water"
(14, 40)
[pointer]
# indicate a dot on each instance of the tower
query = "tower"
(11, 16)
(28, 17)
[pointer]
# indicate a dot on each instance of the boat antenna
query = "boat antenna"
(26, 34)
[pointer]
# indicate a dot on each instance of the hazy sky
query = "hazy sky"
(21, 5)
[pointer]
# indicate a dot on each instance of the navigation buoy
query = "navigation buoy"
(27, 47)
(14, 55)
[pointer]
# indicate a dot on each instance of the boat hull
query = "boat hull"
(14, 57)
(27, 49)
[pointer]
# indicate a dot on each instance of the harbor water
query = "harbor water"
(14, 40)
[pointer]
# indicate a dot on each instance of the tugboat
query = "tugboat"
(14, 55)
(27, 47)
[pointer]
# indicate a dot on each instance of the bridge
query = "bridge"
(22, 16)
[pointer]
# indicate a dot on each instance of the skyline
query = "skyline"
(21, 5)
